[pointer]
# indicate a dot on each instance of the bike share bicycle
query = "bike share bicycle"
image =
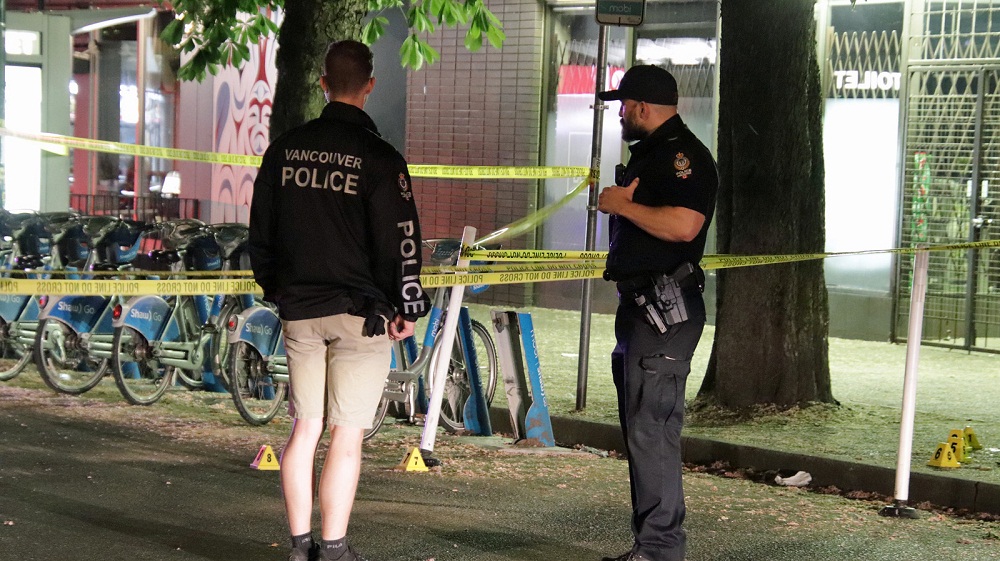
(74, 336)
(158, 339)
(33, 246)
(258, 369)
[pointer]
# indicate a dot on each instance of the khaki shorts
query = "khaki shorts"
(334, 371)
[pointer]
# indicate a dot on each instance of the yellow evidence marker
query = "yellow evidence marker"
(413, 461)
(944, 457)
(971, 440)
(266, 459)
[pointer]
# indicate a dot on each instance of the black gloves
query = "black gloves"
(376, 314)
(374, 326)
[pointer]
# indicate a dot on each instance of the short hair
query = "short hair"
(347, 67)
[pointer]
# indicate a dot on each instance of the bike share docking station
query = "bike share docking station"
(516, 337)
(529, 413)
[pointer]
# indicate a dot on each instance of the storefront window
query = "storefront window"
(22, 158)
(571, 119)
(132, 116)
(861, 141)
(680, 37)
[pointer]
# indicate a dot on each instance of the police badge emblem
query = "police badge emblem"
(683, 165)
(404, 187)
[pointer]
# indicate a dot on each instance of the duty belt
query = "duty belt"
(662, 296)
(686, 276)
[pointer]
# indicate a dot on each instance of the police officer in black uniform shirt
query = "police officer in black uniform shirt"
(660, 210)
(335, 243)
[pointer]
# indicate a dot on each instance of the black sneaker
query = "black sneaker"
(298, 555)
(349, 555)
(627, 556)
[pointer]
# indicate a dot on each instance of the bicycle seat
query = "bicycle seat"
(176, 233)
(71, 240)
(97, 227)
(31, 235)
(59, 222)
(230, 236)
(20, 221)
(5, 226)
(116, 240)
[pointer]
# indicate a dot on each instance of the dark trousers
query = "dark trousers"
(650, 371)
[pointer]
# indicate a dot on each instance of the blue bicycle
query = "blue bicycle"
(258, 368)
(72, 345)
(160, 339)
(37, 242)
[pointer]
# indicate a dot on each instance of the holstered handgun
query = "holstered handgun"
(663, 297)
(652, 313)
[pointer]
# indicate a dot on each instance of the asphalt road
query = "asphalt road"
(75, 486)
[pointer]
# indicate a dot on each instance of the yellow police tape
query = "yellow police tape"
(552, 270)
(709, 261)
(454, 172)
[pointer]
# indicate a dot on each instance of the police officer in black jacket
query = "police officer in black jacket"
(335, 243)
(660, 212)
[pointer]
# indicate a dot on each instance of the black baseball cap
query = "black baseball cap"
(645, 82)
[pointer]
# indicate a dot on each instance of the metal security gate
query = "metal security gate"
(951, 169)
(951, 194)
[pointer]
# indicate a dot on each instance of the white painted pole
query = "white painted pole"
(441, 359)
(913, 335)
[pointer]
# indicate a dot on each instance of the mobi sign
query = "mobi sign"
(620, 12)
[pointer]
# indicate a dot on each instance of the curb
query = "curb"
(940, 490)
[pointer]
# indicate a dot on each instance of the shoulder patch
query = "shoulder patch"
(404, 187)
(683, 165)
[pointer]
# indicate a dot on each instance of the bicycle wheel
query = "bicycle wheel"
(486, 358)
(14, 355)
(457, 388)
(140, 377)
(256, 394)
(64, 364)
(380, 411)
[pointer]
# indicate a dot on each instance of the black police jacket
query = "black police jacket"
(674, 169)
(333, 223)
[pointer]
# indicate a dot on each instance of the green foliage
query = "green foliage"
(425, 16)
(220, 32)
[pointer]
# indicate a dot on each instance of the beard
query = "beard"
(631, 131)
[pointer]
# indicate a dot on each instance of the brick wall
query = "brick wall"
(480, 108)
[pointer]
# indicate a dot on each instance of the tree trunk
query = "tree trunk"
(309, 26)
(772, 321)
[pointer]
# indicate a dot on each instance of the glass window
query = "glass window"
(680, 37)
(861, 142)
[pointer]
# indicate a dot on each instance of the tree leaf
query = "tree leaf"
(409, 54)
(418, 21)
(173, 32)
(473, 39)
(496, 37)
(373, 30)
(429, 53)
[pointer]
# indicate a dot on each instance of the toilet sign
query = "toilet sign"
(620, 12)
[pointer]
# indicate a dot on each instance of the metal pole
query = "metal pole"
(976, 221)
(595, 178)
(3, 96)
(441, 358)
(138, 178)
(913, 334)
